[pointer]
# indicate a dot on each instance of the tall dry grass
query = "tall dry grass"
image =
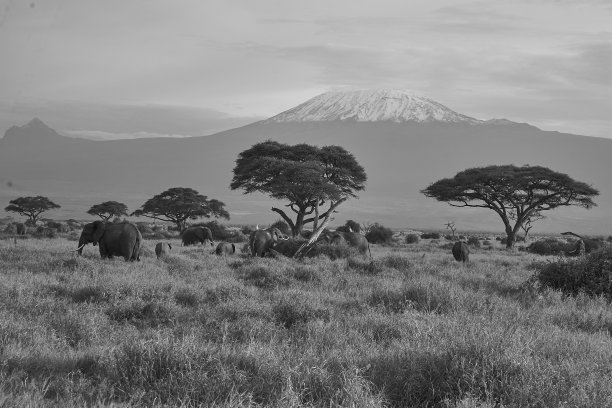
(410, 327)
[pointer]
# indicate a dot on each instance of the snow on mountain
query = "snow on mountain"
(371, 106)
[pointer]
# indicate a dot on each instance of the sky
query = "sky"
(117, 68)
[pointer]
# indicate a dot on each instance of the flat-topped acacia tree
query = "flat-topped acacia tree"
(108, 209)
(308, 177)
(31, 207)
(516, 194)
(179, 204)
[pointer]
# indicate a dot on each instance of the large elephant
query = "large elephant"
(21, 228)
(121, 239)
(225, 248)
(352, 239)
(192, 235)
(261, 241)
(461, 252)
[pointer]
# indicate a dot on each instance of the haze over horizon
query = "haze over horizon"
(116, 69)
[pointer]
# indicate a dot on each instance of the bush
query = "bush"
(473, 241)
(548, 246)
(431, 235)
(379, 234)
(591, 275)
(144, 228)
(412, 239)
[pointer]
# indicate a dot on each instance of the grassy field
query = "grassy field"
(410, 328)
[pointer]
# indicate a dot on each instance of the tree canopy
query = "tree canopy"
(108, 209)
(306, 176)
(31, 207)
(514, 193)
(179, 204)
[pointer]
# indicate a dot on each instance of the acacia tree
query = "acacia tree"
(179, 204)
(514, 193)
(308, 177)
(31, 207)
(108, 209)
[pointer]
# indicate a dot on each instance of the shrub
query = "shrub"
(473, 241)
(11, 229)
(379, 234)
(548, 246)
(431, 235)
(412, 239)
(591, 275)
(144, 228)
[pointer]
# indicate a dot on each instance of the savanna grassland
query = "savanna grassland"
(410, 328)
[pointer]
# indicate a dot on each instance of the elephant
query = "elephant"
(162, 249)
(121, 239)
(261, 241)
(225, 248)
(352, 239)
(192, 235)
(461, 252)
(21, 228)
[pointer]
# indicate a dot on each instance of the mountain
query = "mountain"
(401, 156)
(382, 105)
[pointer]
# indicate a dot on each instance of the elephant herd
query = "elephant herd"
(125, 240)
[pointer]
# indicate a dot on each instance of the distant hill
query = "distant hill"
(400, 156)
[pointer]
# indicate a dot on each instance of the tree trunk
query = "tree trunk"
(299, 225)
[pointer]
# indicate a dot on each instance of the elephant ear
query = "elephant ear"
(98, 230)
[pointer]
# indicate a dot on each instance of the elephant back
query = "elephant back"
(461, 252)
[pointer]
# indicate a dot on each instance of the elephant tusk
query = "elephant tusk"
(79, 248)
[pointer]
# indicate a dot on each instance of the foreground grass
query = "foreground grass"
(410, 328)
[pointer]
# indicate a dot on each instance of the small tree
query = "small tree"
(451, 226)
(179, 204)
(308, 177)
(31, 207)
(108, 209)
(511, 190)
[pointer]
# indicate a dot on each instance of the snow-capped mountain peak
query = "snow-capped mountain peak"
(381, 105)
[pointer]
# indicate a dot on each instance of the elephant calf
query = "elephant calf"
(461, 252)
(162, 249)
(225, 248)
